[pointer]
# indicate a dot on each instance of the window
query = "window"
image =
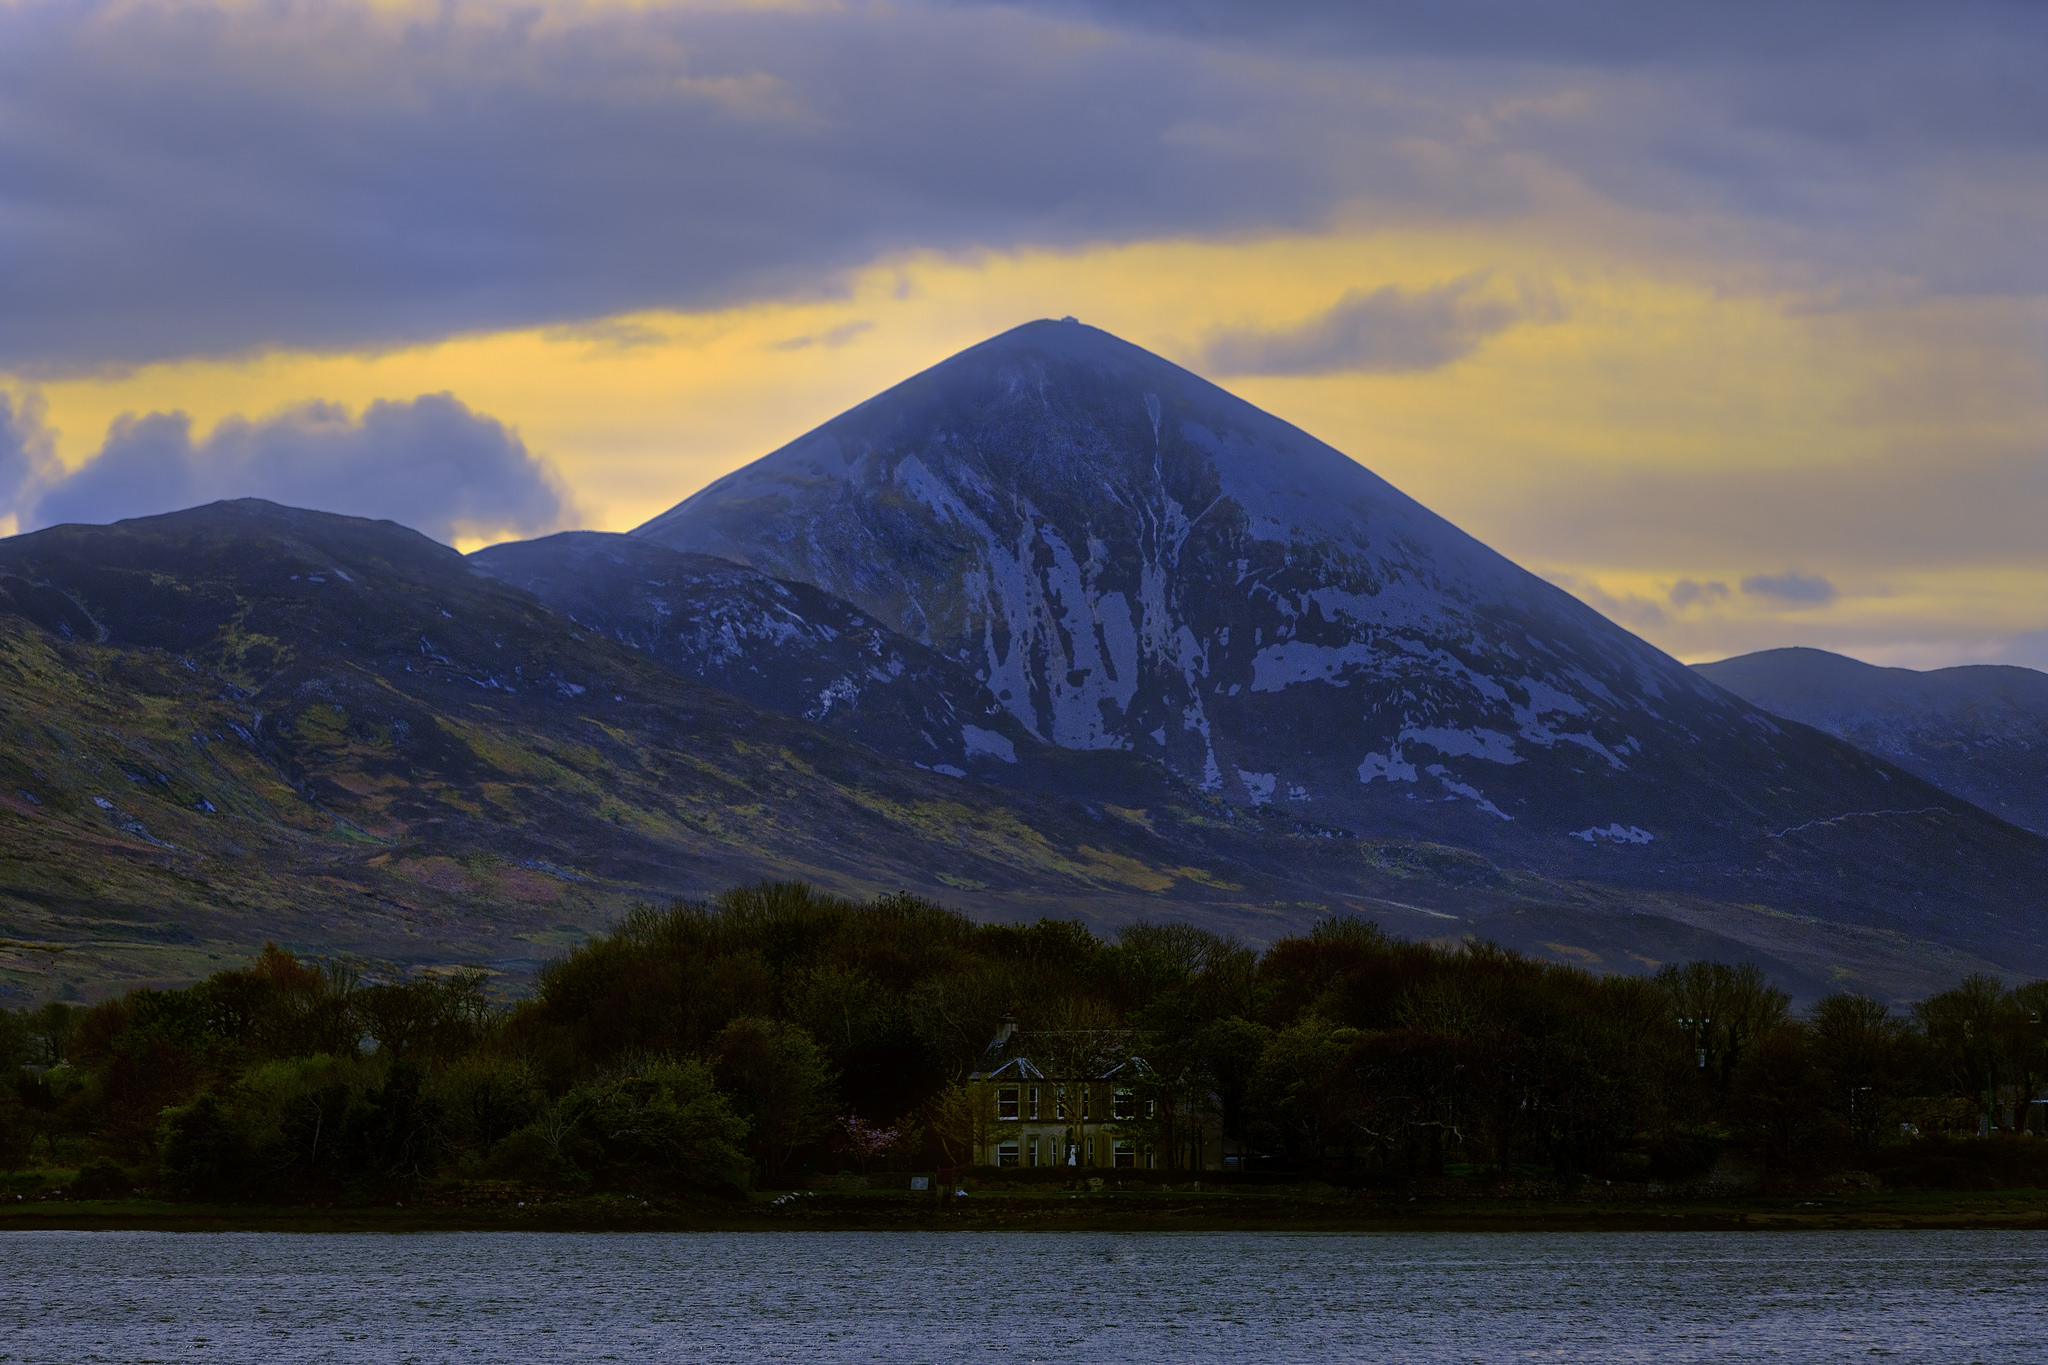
(1151, 1109)
(1006, 1102)
(1034, 1102)
(1084, 1104)
(1124, 1154)
(1122, 1105)
(1031, 1153)
(1091, 1151)
(1006, 1155)
(1059, 1102)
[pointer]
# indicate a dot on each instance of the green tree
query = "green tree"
(1228, 1052)
(17, 1134)
(665, 1120)
(205, 1154)
(1775, 1096)
(15, 1051)
(1308, 1100)
(298, 1117)
(1724, 1010)
(485, 1099)
(50, 1030)
(781, 1082)
(1862, 1062)
(1968, 1030)
(427, 1018)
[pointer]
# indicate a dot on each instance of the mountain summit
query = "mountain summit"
(1132, 558)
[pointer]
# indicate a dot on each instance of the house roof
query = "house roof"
(1020, 1067)
(1017, 1068)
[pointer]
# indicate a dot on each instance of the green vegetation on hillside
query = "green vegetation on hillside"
(246, 723)
(782, 1032)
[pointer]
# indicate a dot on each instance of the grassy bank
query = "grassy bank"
(1286, 1210)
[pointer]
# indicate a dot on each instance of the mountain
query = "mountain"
(786, 646)
(1979, 732)
(1244, 683)
(245, 721)
(1131, 559)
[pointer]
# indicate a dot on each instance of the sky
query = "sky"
(1730, 318)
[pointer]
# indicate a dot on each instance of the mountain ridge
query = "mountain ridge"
(1979, 731)
(244, 723)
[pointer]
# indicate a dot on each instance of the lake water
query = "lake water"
(1079, 1298)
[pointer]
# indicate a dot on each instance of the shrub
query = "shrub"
(205, 1154)
(102, 1179)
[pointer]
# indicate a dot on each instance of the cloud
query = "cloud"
(1800, 588)
(431, 464)
(2027, 650)
(1630, 610)
(1385, 330)
(1685, 592)
(831, 339)
(25, 452)
(1580, 32)
(209, 178)
(216, 177)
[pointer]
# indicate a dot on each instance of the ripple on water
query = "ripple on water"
(1082, 1297)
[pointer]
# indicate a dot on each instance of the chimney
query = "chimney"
(1005, 1033)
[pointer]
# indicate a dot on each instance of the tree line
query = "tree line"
(703, 1048)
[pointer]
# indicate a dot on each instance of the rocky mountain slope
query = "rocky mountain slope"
(1130, 559)
(786, 646)
(1980, 732)
(246, 722)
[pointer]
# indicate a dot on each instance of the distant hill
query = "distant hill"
(1980, 731)
(246, 721)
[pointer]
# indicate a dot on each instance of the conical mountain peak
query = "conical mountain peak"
(1131, 557)
(1128, 557)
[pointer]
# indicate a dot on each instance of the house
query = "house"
(1083, 1099)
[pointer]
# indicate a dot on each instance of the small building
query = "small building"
(1085, 1100)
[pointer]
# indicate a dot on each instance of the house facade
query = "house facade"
(1097, 1106)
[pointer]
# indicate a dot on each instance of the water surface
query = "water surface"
(999, 1297)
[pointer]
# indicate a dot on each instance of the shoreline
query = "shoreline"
(2009, 1210)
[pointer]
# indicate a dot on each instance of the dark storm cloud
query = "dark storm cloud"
(1898, 133)
(1385, 330)
(175, 181)
(431, 464)
(182, 179)
(1980, 94)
